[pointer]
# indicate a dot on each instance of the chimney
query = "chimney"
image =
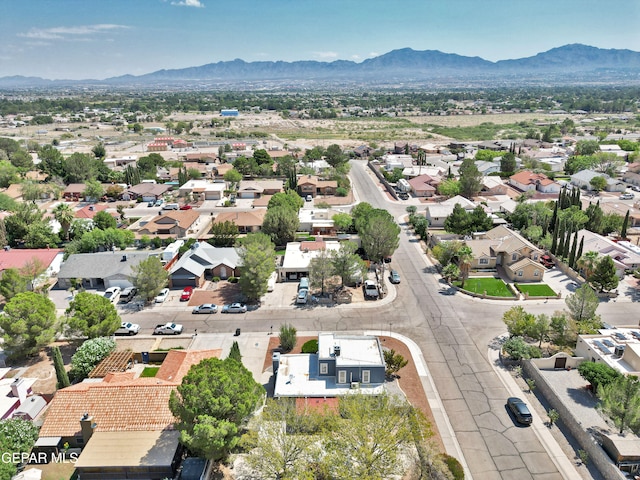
(86, 427)
(336, 350)
(19, 389)
(124, 258)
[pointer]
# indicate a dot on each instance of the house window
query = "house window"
(366, 376)
(514, 257)
(535, 274)
(324, 368)
(484, 261)
(520, 273)
(342, 376)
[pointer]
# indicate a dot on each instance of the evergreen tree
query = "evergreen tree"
(560, 241)
(579, 254)
(58, 364)
(183, 177)
(574, 247)
(604, 277)
(235, 352)
(554, 241)
(625, 225)
(554, 217)
(566, 246)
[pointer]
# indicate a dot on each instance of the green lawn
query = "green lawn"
(493, 286)
(149, 372)
(536, 290)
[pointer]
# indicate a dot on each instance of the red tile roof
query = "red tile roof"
(17, 258)
(178, 362)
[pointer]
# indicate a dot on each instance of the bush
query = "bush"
(342, 192)
(88, 355)
(518, 349)
(598, 374)
(288, 337)
(232, 280)
(310, 347)
(215, 279)
(455, 467)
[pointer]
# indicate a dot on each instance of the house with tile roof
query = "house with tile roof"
(204, 261)
(424, 185)
(625, 256)
(50, 258)
(247, 222)
(528, 181)
(119, 421)
(312, 185)
(74, 192)
(173, 223)
(257, 188)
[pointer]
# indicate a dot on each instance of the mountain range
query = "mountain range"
(569, 64)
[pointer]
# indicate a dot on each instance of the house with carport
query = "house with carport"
(204, 261)
(298, 256)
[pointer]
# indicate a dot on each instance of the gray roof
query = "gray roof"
(202, 255)
(102, 264)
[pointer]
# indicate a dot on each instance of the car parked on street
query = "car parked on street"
(127, 328)
(394, 277)
(162, 296)
(185, 207)
(186, 294)
(112, 294)
(168, 329)
(234, 308)
(627, 196)
(520, 410)
(205, 308)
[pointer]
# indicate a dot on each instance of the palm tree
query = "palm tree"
(587, 263)
(64, 214)
(465, 257)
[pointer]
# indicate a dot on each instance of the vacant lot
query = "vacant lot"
(537, 290)
(494, 287)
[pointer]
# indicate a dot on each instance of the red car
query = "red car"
(185, 207)
(186, 294)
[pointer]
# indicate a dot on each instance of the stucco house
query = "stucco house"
(528, 181)
(203, 261)
(582, 179)
(172, 223)
(492, 185)
(437, 213)
(203, 190)
(317, 221)
(424, 185)
(298, 256)
(257, 188)
(146, 191)
(312, 185)
(344, 363)
(247, 222)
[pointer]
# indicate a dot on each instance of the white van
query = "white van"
(171, 206)
(271, 283)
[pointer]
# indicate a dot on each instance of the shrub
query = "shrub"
(455, 467)
(232, 280)
(88, 355)
(216, 279)
(598, 374)
(310, 347)
(288, 337)
(342, 192)
(518, 349)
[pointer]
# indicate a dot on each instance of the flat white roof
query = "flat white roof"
(605, 346)
(295, 258)
(354, 349)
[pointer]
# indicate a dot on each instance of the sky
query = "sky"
(97, 39)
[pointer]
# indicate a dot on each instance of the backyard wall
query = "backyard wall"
(383, 180)
(588, 443)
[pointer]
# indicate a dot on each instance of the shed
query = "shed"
(624, 451)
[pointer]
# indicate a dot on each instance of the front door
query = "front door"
(223, 272)
(561, 362)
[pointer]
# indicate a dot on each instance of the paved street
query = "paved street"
(453, 333)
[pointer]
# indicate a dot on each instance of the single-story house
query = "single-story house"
(492, 185)
(624, 257)
(437, 213)
(16, 398)
(297, 258)
(204, 261)
(100, 270)
(146, 191)
(247, 222)
(632, 178)
(90, 211)
(312, 185)
(204, 157)
(74, 192)
(257, 188)
(582, 179)
(485, 168)
(49, 258)
(173, 223)
(529, 181)
(203, 190)
(344, 363)
(114, 162)
(424, 185)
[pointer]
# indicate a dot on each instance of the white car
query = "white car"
(112, 294)
(627, 196)
(235, 308)
(162, 296)
(128, 328)
(168, 329)
(205, 308)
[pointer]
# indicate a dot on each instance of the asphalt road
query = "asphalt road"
(453, 333)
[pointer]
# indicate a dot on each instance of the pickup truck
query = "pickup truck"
(371, 289)
(168, 329)
(127, 328)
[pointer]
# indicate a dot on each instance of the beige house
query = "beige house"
(312, 185)
(246, 222)
(173, 223)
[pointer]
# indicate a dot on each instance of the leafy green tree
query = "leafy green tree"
(215, 398)
(598, 183)
(28, 324)
(420, 226)
(334, 156)
(517, 348)
(360, 214)
(528, 214)
(81, 167)
(583, 303)
(288, 337)
(450, 271)
(149, 277)
(223, 234)
(540, 329)
(380, 235)
(12, 283)
(394, 362)
(518, 321)
(9, 174)
(281, 224)
(320, 270)
(458, 221)
(604, 277)
(445, 252)
(347, 264)
(470, 178)
(90, 354)
(52, 162)
(40, 235)
(620, 401)
(262, 157)
(233, 176)
(92, 315)
(104, 220)
(562, 330)
(93, 191)
(234, 353)
(598, 374)
(99, 151)
(587, 147)
(21, 160)
(61, 374)
(258, 259)
(449, 187)
(289, 199)
(342, 221)
(17, 436)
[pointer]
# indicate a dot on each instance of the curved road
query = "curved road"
(453, 333)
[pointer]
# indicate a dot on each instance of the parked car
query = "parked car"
(234, 308)
(370, 289)
(128, 294)
(186, 294)
(127, 328)
(547, 261)
(205, 308)
(168, 329)
(159, 202)
(403, 196)
(309, 198)
(162, 296)
(151, 203)
(635, 188)
(394, 277)
(627, 196)
(303, 296)
(185, 207)
(112, 294)
(519, 410)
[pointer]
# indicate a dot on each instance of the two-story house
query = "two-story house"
(312, 185)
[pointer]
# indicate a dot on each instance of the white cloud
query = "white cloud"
(63, 33)
(326, 54)
(189, 3)
(374, 54)
(355, 57)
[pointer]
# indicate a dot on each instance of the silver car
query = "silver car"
(205, 308)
